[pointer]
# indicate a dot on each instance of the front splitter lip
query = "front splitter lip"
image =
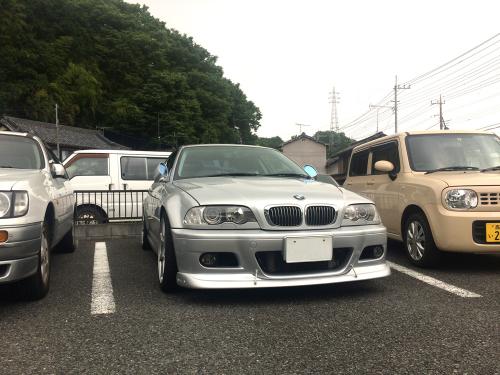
(246, 280)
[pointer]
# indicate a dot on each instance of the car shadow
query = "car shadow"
(450, 262)
(284, 295)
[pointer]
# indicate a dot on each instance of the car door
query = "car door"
(357, 178)
(381, 188)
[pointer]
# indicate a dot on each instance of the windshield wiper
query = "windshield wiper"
(235, 174)
(497, 168)
(6, 166)
(454, 168)
(288, 175)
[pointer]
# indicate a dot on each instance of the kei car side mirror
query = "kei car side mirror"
(386, 167)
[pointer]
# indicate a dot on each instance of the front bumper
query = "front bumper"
(19, 255)
(453, 230)
(191, 244)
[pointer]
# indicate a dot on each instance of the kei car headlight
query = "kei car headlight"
(215, 215)
(460, 199)
(360, 214)
(13, 203)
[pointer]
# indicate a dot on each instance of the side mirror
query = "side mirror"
(57, 170)
(161, 170)
(310, 170)
(384, 166)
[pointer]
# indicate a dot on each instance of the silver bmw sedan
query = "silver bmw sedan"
(236, 216)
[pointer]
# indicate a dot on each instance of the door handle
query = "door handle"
(370, 183)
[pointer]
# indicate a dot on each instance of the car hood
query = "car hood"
(251, 191)
(466, 178)
(10, 177)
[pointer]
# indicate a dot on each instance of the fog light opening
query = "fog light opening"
(218, 260)
(372, 252)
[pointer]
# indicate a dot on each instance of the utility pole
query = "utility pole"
(442, 125)
(300, 127)
(57, 133)
(371, 106)
(334, 117)
(158, 128)
(396, 88)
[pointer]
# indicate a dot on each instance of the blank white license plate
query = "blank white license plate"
(308, 249)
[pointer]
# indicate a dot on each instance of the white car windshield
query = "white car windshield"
(213, 161)
(433, 152)
(20, 153)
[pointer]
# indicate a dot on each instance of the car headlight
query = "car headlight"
(460, 199)
(360, 214)
(13, 203)
(215, 215)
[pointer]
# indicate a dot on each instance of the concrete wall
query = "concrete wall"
(305, 151)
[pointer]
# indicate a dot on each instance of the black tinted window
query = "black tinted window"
(359, 164)
(133, 168)
(388, 152)
(89, 166)
(152, 164)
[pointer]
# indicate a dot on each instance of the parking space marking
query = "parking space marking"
(103, 301)
(434, 282)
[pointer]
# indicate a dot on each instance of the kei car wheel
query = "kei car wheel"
(37, 286)
(418, 241)
(167, 264)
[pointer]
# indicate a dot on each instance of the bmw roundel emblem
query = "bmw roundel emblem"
(300, 197)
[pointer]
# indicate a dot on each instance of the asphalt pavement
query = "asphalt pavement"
(396, 325)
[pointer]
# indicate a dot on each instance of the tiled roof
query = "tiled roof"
(69, 136)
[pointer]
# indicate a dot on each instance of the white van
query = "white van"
(104, 172)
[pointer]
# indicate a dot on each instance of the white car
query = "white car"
(109, 171)
(36, 212)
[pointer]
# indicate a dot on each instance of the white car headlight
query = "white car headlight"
(13, 203)
(215, 215)
(360, 214)
(460, 199)
(5, 201)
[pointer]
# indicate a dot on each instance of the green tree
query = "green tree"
(110, 63)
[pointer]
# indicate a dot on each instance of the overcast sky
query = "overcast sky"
(287, 55)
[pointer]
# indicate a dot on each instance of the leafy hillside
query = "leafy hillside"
(107, 63)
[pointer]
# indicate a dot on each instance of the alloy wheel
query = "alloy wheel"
(415, 240)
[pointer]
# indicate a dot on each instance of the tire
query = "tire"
(145, 242)
(36, 286)
(89, 215)
(68, 243)
(418, 241)
(167, 264)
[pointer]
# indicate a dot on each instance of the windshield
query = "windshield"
(206, 161)
(440, 151)
(20, 152)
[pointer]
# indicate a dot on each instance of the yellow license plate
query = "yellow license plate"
(492, 232)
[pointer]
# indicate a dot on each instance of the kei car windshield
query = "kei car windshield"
(20, 153)
(430, 152)
(209, 161)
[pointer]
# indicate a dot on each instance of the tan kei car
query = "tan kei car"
(435, 191)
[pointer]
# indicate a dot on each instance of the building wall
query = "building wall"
(305, 151)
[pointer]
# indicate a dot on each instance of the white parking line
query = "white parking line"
(103, 301)
(434, 282)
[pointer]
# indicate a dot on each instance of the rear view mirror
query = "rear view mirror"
(310, 170)
(161, 170)
(384, 166)
(57, 170)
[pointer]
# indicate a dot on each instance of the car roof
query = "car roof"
(388, 138)
(221, 144)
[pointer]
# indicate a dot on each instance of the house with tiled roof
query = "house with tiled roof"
(70, 138)
(304, 149)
